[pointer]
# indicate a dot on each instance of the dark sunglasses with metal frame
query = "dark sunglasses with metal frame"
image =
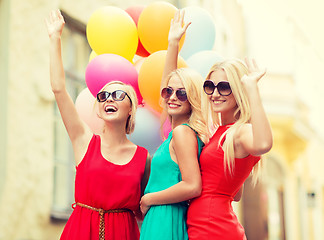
(223, 88)
(180, 93)
(117, 95)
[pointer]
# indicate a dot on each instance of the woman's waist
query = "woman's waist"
(108, 204)
(217, 193)
(102, 210)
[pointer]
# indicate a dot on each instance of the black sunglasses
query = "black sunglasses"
(117, 95)
(223, 88)
(180, 93)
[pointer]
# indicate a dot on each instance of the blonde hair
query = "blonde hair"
(130, 123)
(234, 69)
(193, 84)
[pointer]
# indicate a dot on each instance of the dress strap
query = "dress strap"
(200, 142)
(186, 124)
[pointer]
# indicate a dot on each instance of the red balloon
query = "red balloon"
(135, 12)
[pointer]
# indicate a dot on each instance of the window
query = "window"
(75, 54)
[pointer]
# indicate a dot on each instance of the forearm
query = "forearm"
(261, 130)
(57, 76)
(179, 192)
(171, 60)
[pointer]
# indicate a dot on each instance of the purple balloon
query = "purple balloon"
(105, 68)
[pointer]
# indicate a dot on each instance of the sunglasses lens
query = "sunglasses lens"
(166, 92)
(181, 95)
(102, 96)
(224, 88)
(118, 95)
(209, 87)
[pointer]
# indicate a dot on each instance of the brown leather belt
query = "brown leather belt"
(102, 213)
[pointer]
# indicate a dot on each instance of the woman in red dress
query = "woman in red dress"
(242, 135)
(112, 172)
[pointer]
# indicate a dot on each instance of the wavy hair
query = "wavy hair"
(234, 69)
(193, 84)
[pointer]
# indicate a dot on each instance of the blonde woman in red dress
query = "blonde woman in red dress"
(240, 132)
(242, 135)
(111, 171)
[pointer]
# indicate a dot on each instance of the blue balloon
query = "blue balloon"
(203, 61)
(201, 33)
(147, 131)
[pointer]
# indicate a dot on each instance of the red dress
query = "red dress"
(102, 184)
(211, 215)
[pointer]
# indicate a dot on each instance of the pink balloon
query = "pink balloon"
(87, 110)
(105, 68)
(167, 128)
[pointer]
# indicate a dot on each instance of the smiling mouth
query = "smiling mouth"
(110, 109)
(218, 101)
(172, 105)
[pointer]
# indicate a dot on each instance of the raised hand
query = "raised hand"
(177, 26)
(55, 24)
(254, 75)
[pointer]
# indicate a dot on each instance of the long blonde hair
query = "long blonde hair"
(193, 84)
(235, 69)
(130, 123)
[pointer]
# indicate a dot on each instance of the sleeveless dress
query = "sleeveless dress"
(165, 222)
(211, 216)
(102, 184)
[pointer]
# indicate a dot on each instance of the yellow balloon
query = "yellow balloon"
(150, 76)
(112, 30)
(154, 25)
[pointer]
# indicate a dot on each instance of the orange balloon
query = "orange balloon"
(150, 76)
(154, 25)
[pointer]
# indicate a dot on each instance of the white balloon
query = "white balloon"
(201, 33)
(147, 130)
(87, 110)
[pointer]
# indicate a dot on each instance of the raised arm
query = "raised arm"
(78, 132)
(190, 185)
(255, 138)
(177, 29)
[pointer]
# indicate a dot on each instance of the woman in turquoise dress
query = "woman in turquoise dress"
(175, 175)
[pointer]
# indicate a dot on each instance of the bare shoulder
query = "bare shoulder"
(183, 131)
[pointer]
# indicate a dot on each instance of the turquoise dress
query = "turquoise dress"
(168, 221)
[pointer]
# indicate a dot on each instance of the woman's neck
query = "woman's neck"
(225, 120)
(113, 135)
(178, 121)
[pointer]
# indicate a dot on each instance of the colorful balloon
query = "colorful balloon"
(150, 75)
(112, 30)
(87, 110)
(135, 12)
(203, 61)
(154, 25)
(105, 68)
(147, 130)
(138, 64)
(167, 128)
(201, 33)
